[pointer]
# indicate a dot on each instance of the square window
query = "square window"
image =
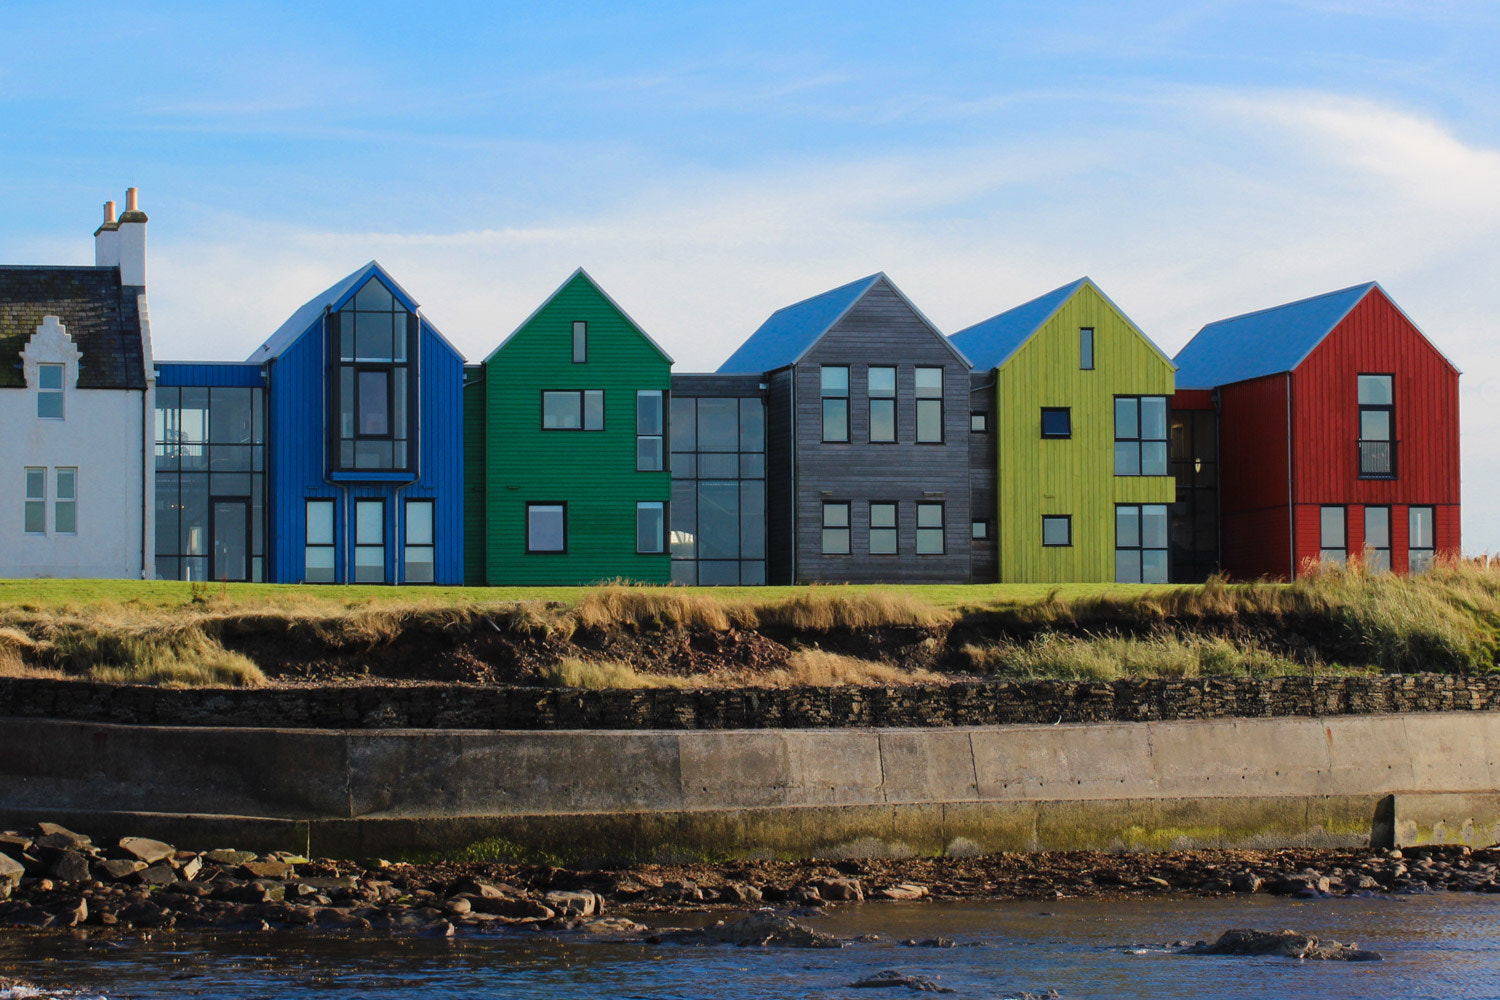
(546, 527)
(979, 422)
(980, 531)
(1057, 531)
(883, 382)
(1057, 422)
(834, 380)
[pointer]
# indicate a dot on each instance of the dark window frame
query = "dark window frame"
(1086, 342)
(406, 543)
(982, 417)
(894, 527)
(1365, 449)
(887, 401)
(526, 528)
(1343, 547)
(583, 412)
(332, 544)
(1140, 441)
(847, 528)
(918, 400)
(660, 437)
(410, 364)
(1066, 411)
(1412, 550)
(985, 535)
(941, 529)
(1140, 546)
(580, 340)
(824, 398)
(1066, 519)
(383, 546)
(1390, 533)
(666, 527)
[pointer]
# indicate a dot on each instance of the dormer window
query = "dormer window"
(49, 392)
(373, 391)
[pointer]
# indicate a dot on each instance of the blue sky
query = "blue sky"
(711, 162)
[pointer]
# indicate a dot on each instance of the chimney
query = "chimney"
(131, 243)
(107, 239)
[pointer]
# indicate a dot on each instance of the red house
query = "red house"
(1338, 434)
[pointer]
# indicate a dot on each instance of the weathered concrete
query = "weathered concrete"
(640, 794)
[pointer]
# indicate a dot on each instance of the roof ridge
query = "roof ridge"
(1367, 285)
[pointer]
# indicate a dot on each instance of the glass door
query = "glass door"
(231, 535)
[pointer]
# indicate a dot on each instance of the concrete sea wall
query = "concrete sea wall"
(641, 794)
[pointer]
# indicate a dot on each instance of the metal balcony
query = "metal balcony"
(1377, 460)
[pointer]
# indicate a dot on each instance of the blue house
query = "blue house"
(364, 440)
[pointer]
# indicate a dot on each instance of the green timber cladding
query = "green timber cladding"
(589, 472)
(1040, 360)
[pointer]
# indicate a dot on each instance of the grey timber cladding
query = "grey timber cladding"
(881, 329)
(985, 553)
(101, 316)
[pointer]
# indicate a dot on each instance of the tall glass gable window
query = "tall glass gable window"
(1140, 435)
(373, 392)
(210, 483)
(718, 508)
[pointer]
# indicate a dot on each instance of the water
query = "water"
(1440, 946)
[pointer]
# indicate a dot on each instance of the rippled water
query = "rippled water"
(1443, 946)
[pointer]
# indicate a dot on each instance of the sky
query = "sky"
(709, 162)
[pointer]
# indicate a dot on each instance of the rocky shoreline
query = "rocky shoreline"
(55, 879)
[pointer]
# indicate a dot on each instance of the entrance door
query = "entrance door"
(231, 534)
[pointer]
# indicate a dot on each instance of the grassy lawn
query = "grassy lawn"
(39, 594)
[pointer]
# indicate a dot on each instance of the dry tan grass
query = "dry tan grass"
(829, 607)
(658, 607)
(819, 668)
(1106, 658)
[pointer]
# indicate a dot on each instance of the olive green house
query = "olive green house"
(1081, 436)
(567, 456)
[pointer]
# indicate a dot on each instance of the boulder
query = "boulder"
(890, 979)
(28, 916)
(11, 870)
(513, 909)
(14, 843)
(265, 869)
(224, 856)
(68, 837)
(144, 849)
(162, 874)
(70, 866)
(1246, 882)
(901, 890)
(190, 868)
(1248, 941)
(766, 929)
(579, 903)
(116, 869)
(69, 912)
(846, 890)
(484, 890)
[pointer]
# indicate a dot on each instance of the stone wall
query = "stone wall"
(450, 706)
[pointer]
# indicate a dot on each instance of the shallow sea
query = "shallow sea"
(1440, 946)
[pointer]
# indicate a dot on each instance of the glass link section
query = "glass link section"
(718, 509)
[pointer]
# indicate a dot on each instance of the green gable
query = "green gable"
(592, 473)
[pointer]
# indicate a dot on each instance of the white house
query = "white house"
(76, 410)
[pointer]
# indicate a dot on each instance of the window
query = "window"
(1057, 531)
(49, 391)
(1331, 544)
(834, 388)
(1057, 422)
(717, 514)
(649, 421)
(580, 342)
(1141, 543)
(1377, 425)
(1086, 348)
(882, 404)
(835, 528)
(36, 501)
(1420, 539)
(419, 560)
(573, 410)
(980, 531)
(318, 560)
(651, 527)
(65, 505)
(1140, 435)
(979, 422)
(369, 541)
(930, 540)
(372, 390)
(546, 527)
(929, 392)
(1378, 539)
(883, 529)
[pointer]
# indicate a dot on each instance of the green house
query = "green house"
(1081, 400)
(567, 449)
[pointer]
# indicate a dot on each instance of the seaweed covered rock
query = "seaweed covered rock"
(1290, 944)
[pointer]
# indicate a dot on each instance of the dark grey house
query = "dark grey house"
(867, 438)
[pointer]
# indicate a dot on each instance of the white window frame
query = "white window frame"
(65, 504)
(47, 393)
(35, 499)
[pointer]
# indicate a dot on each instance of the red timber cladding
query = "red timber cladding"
(1253, 490)
(1193, 399)
(1375, 338)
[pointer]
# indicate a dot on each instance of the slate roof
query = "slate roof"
(990, 343)
(1265, 342)
(791, 330)
(102, 318)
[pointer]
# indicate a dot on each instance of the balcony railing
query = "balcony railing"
(1377, 460)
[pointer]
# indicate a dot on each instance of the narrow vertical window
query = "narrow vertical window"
(1420, 538)
(883, 529)
(1377, 427)
(835, 528)
(882, 389)
(1086, 348)
(1140, 435)
(649, 421)
(419, 559)
(1332, 547)
(318, 558)
(369, 541)
(580, 342)
(49, 391)
(65, 503)
(1378, 539)
(36, 501)
(651, 527)
(1141, 543)
(930, 534)
(1057, 531)
(546, 527)
(929, 393)
(834, 388)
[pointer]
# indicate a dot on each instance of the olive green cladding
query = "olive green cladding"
(592, 472)
(1072, 476)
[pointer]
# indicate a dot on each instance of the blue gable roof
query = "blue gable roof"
(1265, 342)
(991, 342)
(330, 298)
(790, 331)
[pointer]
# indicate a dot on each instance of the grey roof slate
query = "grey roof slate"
(101, 316)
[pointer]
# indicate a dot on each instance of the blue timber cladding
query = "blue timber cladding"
(230, 374)
(300, 466)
